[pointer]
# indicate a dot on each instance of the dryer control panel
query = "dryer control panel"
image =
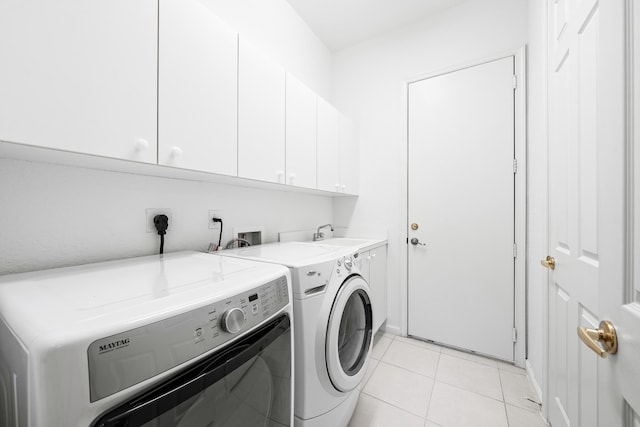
(124, 359)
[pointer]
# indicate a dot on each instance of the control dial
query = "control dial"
(233, 320)
(348, 263)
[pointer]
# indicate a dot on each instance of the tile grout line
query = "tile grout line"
(504, 399)
(433, 389)
(394, 406)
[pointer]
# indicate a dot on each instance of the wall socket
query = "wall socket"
(152, 212)
(214, 213)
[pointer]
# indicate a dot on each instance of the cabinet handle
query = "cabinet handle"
(280, 175)
(141, 145)
(176, 152)
(337, 187)
(344, 186)
(373, 255)
(292, 176)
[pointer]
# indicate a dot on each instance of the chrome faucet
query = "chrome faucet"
(241, 243)
(320, 235)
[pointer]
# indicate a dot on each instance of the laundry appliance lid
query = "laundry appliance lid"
(291, 254)
(124, 293)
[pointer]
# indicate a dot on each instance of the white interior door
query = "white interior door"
(461, 200)
(588, 211)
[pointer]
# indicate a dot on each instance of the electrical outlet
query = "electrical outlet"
(214, 213)
(152, 212)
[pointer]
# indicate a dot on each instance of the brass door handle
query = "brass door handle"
(606, 335)
(550, 262)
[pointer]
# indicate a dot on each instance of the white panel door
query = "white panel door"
(328, 147)
(349, 155)
(261, 116)
(301, 133)
(587, 216)
(461, 197)
(80, 76)
(198, 89)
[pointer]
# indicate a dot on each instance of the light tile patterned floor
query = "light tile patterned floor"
(414, 383)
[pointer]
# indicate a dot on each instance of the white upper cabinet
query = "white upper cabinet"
(261, 116)
(300, 134)
(198, 81)
(328, 161)
(80, 76)
(349, 165)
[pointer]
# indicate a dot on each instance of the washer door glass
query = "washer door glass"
(245, 384)
(349, 334)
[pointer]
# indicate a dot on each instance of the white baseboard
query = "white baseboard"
(391, 329)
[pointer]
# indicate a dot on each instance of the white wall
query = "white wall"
(367, 86)
(61, 215)
(58, 215)
(275, 27)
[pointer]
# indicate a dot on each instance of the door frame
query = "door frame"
(632, 151)
(520, 208)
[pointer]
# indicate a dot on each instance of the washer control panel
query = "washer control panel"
(345, 264)
(122, 360)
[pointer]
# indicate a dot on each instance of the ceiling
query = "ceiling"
(343, 23)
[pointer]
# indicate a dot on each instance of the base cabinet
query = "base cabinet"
(373, 265)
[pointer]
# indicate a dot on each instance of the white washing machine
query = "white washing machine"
(182, 339)
(333, 327)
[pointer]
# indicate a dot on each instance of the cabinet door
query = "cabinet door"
(261, 116)
(80, 76)
(365, 265)
(378, 285)
(197, 86)
(328, 147)
(349, 164)
(300, 134)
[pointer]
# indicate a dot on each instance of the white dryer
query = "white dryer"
(182, 339)
(333, 327)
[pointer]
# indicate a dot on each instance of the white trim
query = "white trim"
(532, 380)
(392, 329)
(520, 133)
(520, 121)
(633, 151)
(545, 287)
(632, 178)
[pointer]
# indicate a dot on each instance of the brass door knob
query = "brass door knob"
(550, 262)
(606, 336)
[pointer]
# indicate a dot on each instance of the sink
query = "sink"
(341, 241)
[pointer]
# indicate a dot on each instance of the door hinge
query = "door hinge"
(515, 82)
(515, 165)
(515, 335)
(515, 250)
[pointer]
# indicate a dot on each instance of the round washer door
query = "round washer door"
(349, 334)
